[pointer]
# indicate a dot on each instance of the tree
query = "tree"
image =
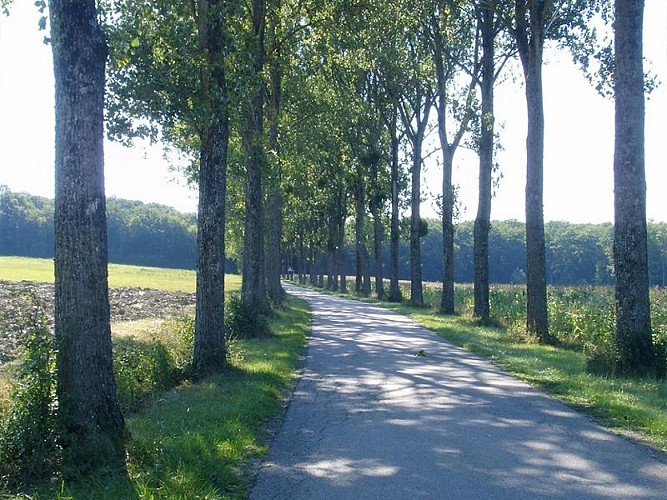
(454, 47)
(486, 15)
(253, 288)
(530, 31)
(92, 426)
(209, 350)
(636, 353)
(416, 101)
(275, 197)
(169, 80)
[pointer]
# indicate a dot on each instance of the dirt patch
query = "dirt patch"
(127, 304)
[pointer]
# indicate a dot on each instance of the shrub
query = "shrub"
(28, 433)
(144, 369)
(242, 322)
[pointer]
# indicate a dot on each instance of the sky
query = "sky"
(579, 131)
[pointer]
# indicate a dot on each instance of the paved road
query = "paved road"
(370, 420)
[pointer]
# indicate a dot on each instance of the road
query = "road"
(372, 419)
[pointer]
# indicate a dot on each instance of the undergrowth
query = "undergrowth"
(186, 440)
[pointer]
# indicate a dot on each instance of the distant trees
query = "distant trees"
(144, 234)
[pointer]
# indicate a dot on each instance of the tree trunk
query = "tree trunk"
(482, 225)
(634, 344)
(209, 354)
(537, 322)
(363, 285)
(416, 290)
(341, 253)
(253, 288)
(92, 426)
(447, 299)
(209, 348)
(531, 43)
(275, 203)
(377, 231)
(394, 289)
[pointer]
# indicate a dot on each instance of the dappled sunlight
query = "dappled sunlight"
(384, 401)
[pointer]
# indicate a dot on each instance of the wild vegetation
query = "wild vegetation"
(151, 366)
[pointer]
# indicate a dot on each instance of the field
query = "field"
(174, 280)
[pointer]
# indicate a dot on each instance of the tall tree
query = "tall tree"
(169, 80)
(489, 15)
(530, 31)
(394, 236)
(455, 45)
(486, 13)
(92, 426)
(210, 349)
(633, 321)
(275, 198)
(253, 288)
(416, 100)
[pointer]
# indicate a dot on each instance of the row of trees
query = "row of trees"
(156, 235)
(139, 234)
(299, 115)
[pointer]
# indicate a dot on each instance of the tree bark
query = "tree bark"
(210, 352)
(416, 288)
(482, 225)
(394, 289)
(92, 426)
(363, 285)
(275, 203)
(377, 230)
(253, 288)
(530, 40)
(634, 344)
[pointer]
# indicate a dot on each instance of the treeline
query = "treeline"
(576, 254)
(160, 236)
(139, 233)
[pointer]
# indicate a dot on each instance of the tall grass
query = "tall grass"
(581, 318)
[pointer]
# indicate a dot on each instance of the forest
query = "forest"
(305, 124)
(156, 235)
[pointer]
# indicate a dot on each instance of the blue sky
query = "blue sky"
(578, 151)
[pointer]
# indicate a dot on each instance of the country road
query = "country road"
(385, 409)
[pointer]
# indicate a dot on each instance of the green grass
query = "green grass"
(197, 441)
(200, 440)
(41, 271)
(633, 407)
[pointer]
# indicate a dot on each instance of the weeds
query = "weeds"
(28, 433)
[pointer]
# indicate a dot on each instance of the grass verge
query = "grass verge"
(636, 408)
(200, 440)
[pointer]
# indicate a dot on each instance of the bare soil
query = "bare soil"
(18, 309)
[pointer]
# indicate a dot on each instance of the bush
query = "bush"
(145, 369)
(242, 322)
(28, 433)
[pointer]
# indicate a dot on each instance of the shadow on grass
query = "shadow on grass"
(199, 440)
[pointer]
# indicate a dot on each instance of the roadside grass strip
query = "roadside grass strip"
(200, 440)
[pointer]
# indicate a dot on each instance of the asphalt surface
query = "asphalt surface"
(370, 419)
